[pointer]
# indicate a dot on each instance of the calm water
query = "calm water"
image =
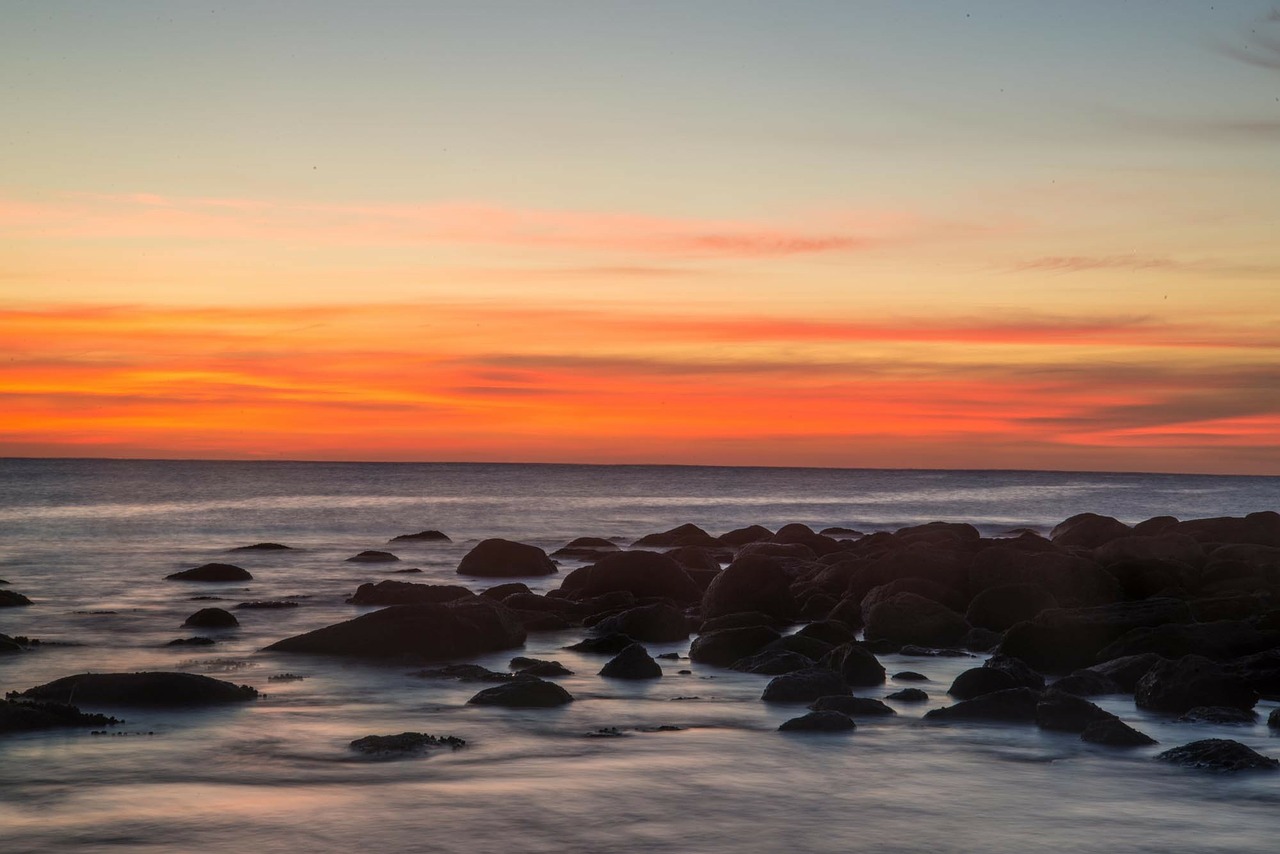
(90, 541)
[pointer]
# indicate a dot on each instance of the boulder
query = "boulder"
(193, 641)
(1219, 640)
(155, 688)
(407, 593)
(998, 608)
(1068, 713)
(823, 721)
(212, 572)
(978, 681)
(404, 744)
(1088, 531)
(855, 664)
(811, 647)
(1260, 671)
(919, 586)
(11, 599)
(828, 631)
(501, 591)
(722, 648)
(695, 558)
(752, 583)
(804, 686)
(909, 695)
(784, 551)
(373, 556)
(26, 716)
(906, 618)
(1065, 639)
(1073, 580)
(1218, 754)
(738, 621)
(462, 628)
(1261, 529)
(262, 547)
(656, 623)
(523, 694)
(1086, 683)
(498, 558)
(422, 537)
(587, 548)
(682, 535)
(603, 645)
(538, 667)
(634, 662)
(773, 662)
(1142, 579)
(1273, 719)
(1219, 715)
(1017, 705)
(643, 574)
(1178, 548)
(1126, 671)
(1193, 680)
(852, 706)
(1114, 732)
(211, 618)
(910, 676)
(742, 536)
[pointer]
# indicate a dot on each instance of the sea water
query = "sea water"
(90, 542)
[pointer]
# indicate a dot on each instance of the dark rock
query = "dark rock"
(1219, 640)
(682, 535)
(910, 619)
(751, 583)
(1068, 713)
(1088, 531)
(585, 547)
(196, 641)
(523, 693)
(1154, 525)
(538, 667)
(696, 557)
(1126, 671)
(840, 533)
(809, 647)
(738, 621)
(981, 640)
(643, 574)
(212, 572)
(773, 662)
(1177, 686)
(828, 631)
(502, 591)
(816, 606)
(783, 551)
(1218, 715)
(722, 648)
(1261, 672)
(603, 645)
(1114, 732)
(1178, 548)
(498, 558)
(23, 716)
(432, 632)
(979, 681)
(540, 621)
(852, 706)
(262, 547)
(921, 587)
(657, 623)
(1273, 719)
(634, 662)
(824, 721)
(467, 673)
(272, 605)
(1218, 754)
(908, 695)
(910, 676)
(749, 534)
(211, 618)
(998, 608)
(1073, 580)
(140, 689)
(1142, 579)
(919, 651)
(10, 599)
(1064, 639)
(422, 536)
(855, 664)
(373, 556)
(847, 611)
(1021, 672)
(1014, 705)
(404, 744)
(804, 686)
(1087, 683)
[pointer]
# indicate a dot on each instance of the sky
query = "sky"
(1030, 235)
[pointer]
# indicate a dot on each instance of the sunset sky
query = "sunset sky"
(957, 235)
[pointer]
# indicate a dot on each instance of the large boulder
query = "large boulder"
(1016, 705)
(641, 573)
(1193, 680)
(1221, 639)
(656, 623)
(407, 593)
(681, 535)
(211, 618)
(1219, 754)
(998, 608)
(804, 686)
(1261, 529)
(634, 662)
(1088, 531)
(462, 628)
(498, 558)
(212, 572)
(723, 647)
(820, 721)
(1060, 640)
(1073, 580)
(1179, 548)
(154, 688)
(906, 618)
(1068, 713)
(1113, 732)
(523, 693)
(856, 665)
(922, 587)
(585, 547)
(742, 536)
(12, 599)
(752, 583)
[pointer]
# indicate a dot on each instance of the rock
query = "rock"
(462, 628)
(695, 557)
(1260, 671)
(1163, 547)
(749, 534)
(10, 599)
(910, 676)
(1114, 732)
(1218, 640)
(1088, 531)
(981, 640)
(657, 623)
(523, 693)
(804, 686)
(412, 569)
(910, 619)
(1060, 640)
(212, 572)
(752, 583)
(641, 573)
(211, 618)
(467, 673)
(1073, 580)
(271, 605)
(407, 593)
(908, 695)
(1022, 674)
(852, 706)
(538, 667)
(848, 611)
(422, 536)
(404, 744)
(585, 547)
(979, 681)
(841, 533)
(828, 631)
(1273, 719)
(682, 535)
(633, 662)
(855, 664)
(24, 716)
(998, 608)
(773, 662)
(1142, 579)
(498, 558)
(373, 556)
(824, 721)
(502, 591)
(1016, 705)
(1154, 525)
(738, 621)
(1126, 671)
(1086, 683)
(922, 587)
(195, 641)
(722, 648)
(785, 551)
(809, 647)
(140, 689)
(1193, 680)
(1068, 713)
(262, 547)
(1218, 754)
(603, 645)
(1218, 715)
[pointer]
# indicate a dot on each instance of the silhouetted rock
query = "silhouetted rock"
(773, 662)
(211, 618)
(698, 558)
(1088, 531)
(907, 618)
(641, 573)
(811, 647)
(804, 686)
(1218, 754)
(908, 695)
(1219, 715)
(140, 689)
(749, 534)
(634, 662)
(1126, 671)
(523, 693)
(502, 591)
(498, 558)
(1219, 640)
(910, 676)
(682, 535)
(1087, 683)
(423, 537)
(585, 548)
(195, 641)
(1013, 705)
(404, 744)
(998, 608)
(11, 599)
(1193, 680)
(1065, 639)
(824, 721)
(1075, 581)
(538, 667)
(467, 673)
(829, 631)
(852, 706)
(432, 632)
(262, 547)
(752, 583)
(738, 621)
(980, 680)
(855, 664)
(266, 605)
(1273, 719)
(407, 593)
(373, 556)
(603, 645)
(1068, 713)
(1114, 732)
(27, 716)
(212, 572)
(921, 587)
(656, 623)
(722, 648)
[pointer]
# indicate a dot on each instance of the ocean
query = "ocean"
(90, 541)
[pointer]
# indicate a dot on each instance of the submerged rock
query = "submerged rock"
(804, 686)
(1114, 732)
(373, 556)
(1178, 686)
(634, 662)
(262, 547)
(27, 716)
(821, 721)
(853, 706)
(908, 695)
(1219, 754)
(156, 688)
(523, 693)
(404, 744)
(1014, 705)
(195, 641)
(538, 667)
(611, 644)
(1219, 715)
(499, 558)
(773, 662)
(11, 599)
(212, 572)
(272, 605)
(211, 618)
(392, 592)
(422, 536)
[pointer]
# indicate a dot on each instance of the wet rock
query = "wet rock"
(1087, 683)
(722, 648)
(773, 663)
(212, 572)
(921, 587)
(211, 618)
(804, 686)
(422, 536)
(1088, 531)
(908, 695)
(910, 619)
(698, 558)
(1126, 671)
(604, 645)
(752, 583)
(855, 664)
(738, 621)
(8, 644)
(155, 688)
(1023, 675)
(828, 631)
(1220, 640)
(523, 693)
(459, 629)
(262, 547)
(1068, 713)
(910, 676)
(195, 641)
(1218, 754)
(823, 721)
(980, 680)
(1219, 715)
(27, 716)
(11, 599)
(643, 574)
(1064, 639)
(656, 623)
(585, 548)
(634, 662)
(499, 558)
(538, 667)
(1273, 719)
(806, 646)
(852, 706)
(682, 535)
(404, 744)
(373, 556)
(749, 534)
(467, 673)
(1115, 733)
(406, 593)
(272, 605)
(1178, 686)
(999, 608)
(1073, 580)
(1016, 705)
